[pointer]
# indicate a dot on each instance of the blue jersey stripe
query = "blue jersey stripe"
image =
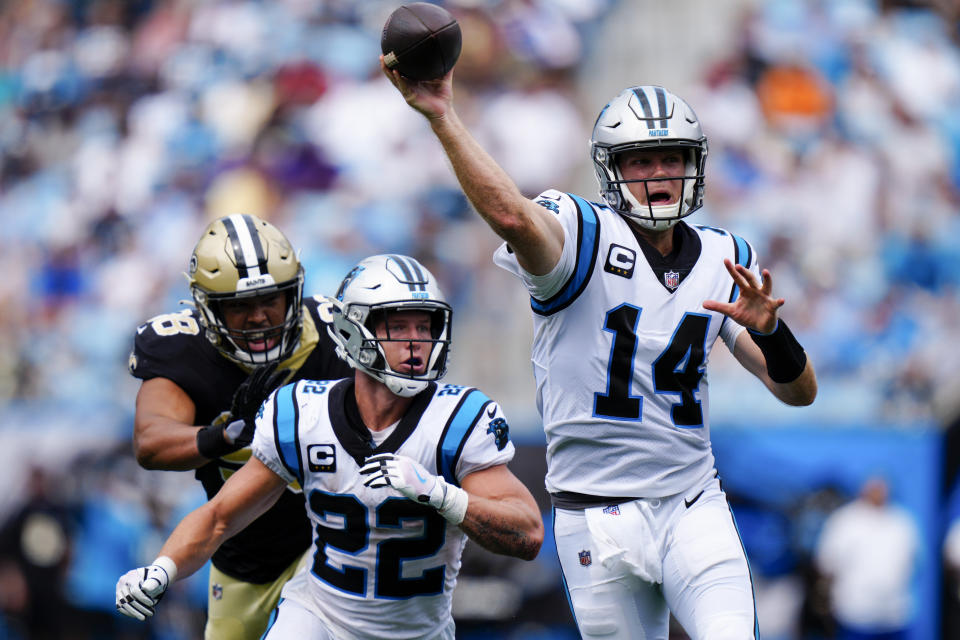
(285, 429)
(743, 255)
(589, 242)
(457, 431)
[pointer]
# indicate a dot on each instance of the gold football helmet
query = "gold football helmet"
(240, 258)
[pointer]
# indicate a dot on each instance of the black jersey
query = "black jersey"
(173, 346)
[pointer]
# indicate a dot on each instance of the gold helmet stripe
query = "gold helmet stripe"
(247, 249)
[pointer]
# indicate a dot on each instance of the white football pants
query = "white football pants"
(625, 568)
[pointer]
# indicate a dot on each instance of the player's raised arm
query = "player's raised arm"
(534, 234)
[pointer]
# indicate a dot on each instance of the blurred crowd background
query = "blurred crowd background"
(126, 125)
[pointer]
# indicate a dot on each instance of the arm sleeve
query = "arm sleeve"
(544, 286)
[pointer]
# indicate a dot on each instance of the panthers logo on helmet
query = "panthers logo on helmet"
(347, 280)
(501, 432)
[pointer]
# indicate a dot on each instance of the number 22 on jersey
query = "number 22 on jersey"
(392, 552)
(676, 371)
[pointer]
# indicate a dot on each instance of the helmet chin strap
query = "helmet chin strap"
(403, 387)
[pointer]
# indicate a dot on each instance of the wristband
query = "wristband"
(784, 356)
(453, 505)
(210, 442)
(169, 566)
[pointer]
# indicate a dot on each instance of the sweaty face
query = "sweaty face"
(255, 324)
(655, 166)
(406, 340)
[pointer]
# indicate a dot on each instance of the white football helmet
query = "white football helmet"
(648, 117)
(240, 257)
(379, 285)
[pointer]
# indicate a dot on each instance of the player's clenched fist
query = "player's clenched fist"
(139, 591)
(411, 479)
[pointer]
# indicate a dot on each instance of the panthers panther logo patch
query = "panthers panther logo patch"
(501, 432)
(548, 204)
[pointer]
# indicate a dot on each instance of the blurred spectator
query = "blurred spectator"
(794, 98)
(35, 553)
(868, 552)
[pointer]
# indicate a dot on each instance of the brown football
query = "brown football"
(421, 40)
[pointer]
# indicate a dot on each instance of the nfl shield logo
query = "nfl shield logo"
(671, 279)
(216, 591)
(585, 560)
(613, 510)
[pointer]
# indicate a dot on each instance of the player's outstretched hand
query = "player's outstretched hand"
(432, 98)
(755, 307)
(139, 591)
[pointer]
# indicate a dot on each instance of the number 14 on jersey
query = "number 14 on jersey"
(676, 371)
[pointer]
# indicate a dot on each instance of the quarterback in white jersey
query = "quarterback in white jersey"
(397, 471)
(617, 345)
(628, 301)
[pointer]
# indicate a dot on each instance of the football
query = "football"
(421, 40)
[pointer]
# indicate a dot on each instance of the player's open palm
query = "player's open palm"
(432, 98)
(755, 307)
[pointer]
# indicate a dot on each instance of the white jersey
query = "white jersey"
(383, 566)
(620, 359)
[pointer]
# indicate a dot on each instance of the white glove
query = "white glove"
(139, 591)
(411, 479)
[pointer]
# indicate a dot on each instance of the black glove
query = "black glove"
(234, 431)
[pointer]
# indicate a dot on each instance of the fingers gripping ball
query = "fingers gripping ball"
(421, 40)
